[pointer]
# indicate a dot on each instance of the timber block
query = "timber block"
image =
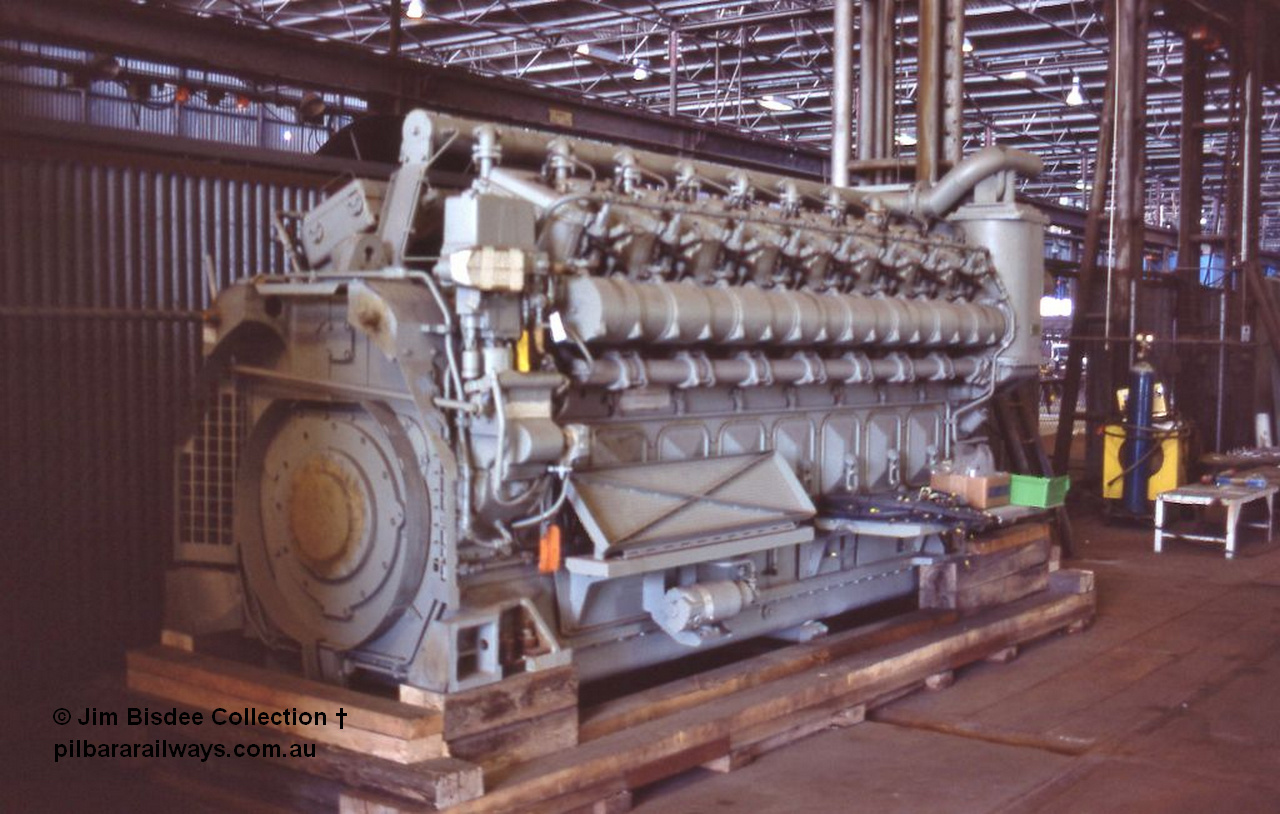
(606, 798)
(751, 743)
(367, 725)
(1006, 538)
(1004, 656)
(510, 721)
(372, 802)
(500, 747)
(1078, 626)
(970, 582)
(940, 681)
(1072, 581)
(178, 640)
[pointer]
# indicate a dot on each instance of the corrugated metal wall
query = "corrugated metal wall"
(101, 284)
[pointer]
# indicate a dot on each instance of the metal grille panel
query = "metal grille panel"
(206, 477)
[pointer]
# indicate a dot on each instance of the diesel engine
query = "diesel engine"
(539, 400)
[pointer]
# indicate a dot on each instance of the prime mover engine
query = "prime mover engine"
(538, 400)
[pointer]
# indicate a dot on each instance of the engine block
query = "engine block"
(579, 402)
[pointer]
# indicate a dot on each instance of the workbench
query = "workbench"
(1233, 498)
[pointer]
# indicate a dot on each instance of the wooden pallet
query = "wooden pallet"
(731, 715)
(528, 748)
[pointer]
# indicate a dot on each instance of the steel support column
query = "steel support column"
(1129, 42)
(868, 89)
(929, 80)
(886, 78)
(953, 94)
(1190, 182)
(673, 77)
(1089, 272)
(1263, 312)
(842, 93)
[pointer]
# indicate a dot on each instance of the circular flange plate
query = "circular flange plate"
(328, 544)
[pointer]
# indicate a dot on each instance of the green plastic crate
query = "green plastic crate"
(1043, 493)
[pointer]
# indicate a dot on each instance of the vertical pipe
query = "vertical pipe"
(886, 91)
(842, 93)
(717, 103)
(742, 51)
(1139, 418)
(868, 100)
(1222, 370)
(1190, 181)
(393, 42)
(1250, 141)
(1130, 44)
(929, 91)
(953, 96)
(1088, 273)
(673, 60)
(1264, 315)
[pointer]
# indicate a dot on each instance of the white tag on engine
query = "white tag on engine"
(558, 332)
(488, 269)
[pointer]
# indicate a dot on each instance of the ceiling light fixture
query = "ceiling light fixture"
(311, 109)
(967, 47)
(905, 139)
(1026, 77)
(583, 49)
(776, 102)
(1075, 97)
(416, 10)
(641, 72)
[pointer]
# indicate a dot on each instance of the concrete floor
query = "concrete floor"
(1170, 702)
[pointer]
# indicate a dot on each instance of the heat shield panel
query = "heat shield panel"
(641, 509)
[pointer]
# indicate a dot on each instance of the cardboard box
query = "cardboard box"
(979, 491)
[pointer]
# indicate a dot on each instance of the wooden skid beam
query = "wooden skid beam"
(371, 726)
(694, 691)
(441, 782)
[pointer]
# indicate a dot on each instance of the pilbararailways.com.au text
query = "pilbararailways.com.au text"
(106, 747)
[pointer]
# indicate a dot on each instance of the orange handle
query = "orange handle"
(549, 550)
